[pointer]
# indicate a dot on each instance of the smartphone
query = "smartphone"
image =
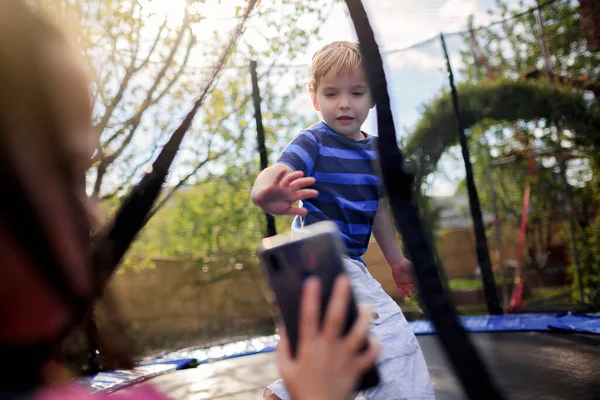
(289, 258)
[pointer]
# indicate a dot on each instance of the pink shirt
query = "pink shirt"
(137, 392)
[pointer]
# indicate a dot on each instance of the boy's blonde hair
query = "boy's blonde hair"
(340, 56)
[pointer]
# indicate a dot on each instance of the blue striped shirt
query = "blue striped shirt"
(349, 187)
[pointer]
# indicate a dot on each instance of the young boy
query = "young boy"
(331, 169)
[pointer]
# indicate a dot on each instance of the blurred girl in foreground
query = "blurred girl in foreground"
(47, 282)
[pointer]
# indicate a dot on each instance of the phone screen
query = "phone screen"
(288, 265)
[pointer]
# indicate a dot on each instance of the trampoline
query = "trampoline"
(526, 365)
(535, 356)
(530, 356)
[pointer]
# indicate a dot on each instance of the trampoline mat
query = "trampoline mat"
(526, 365)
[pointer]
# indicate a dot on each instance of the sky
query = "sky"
(415, 75)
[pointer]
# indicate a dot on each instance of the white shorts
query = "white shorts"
(401, 364)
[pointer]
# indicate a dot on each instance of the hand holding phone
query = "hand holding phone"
(289, 261)
(327, 365)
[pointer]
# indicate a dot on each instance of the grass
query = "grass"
(473, 309)
(550, 292)
(470, 284)
(542, 299)
(555, 298)
(465, 284)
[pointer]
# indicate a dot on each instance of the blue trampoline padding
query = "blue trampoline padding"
(179, 363)
(111, 381)
(240, 348)
(151, 367)
(580, 324)
(585, 323)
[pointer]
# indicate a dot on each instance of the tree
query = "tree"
(488, 109)
(512, 47)
(499, 102)
(212, 219)
(144, 82)
(148, 68)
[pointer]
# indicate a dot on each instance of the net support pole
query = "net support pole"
(497, 222)
(93, 342)
(569, 209)
(260, 138)
(483, 255)
(488, 174)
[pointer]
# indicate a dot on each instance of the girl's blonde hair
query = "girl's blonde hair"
(46, 274)
(340, 57)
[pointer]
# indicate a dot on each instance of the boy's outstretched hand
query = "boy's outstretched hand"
(402, 272)
(278, 197)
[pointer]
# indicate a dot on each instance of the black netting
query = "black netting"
(528, 105)
(513, 117)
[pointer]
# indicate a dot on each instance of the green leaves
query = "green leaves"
(148, 71)
(589, 250)
(512, 47)
(210, 219)
(507, 101)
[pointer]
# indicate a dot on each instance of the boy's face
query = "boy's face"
(344, 102)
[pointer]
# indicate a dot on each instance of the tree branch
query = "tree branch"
(133, 123)
(195, 170)
(128, 180)
(187, 177)
(154, 46)
(179, 72)
(130, 71)
(135, 119)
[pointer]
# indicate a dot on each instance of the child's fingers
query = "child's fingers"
(402, 289)
(357, 336)
(302, 183)
(292, 176)
(279, 177)
(413, 288)
(337, 309)
(309, 310)
(407, 289)
(305, 194)
(293, 210)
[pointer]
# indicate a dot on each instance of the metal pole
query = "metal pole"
(93, 342)
(483, 255)
(569, 209)
(260, 138)
(488, 175)
(497, 227)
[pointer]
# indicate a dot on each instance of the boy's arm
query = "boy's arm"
(385, 235)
